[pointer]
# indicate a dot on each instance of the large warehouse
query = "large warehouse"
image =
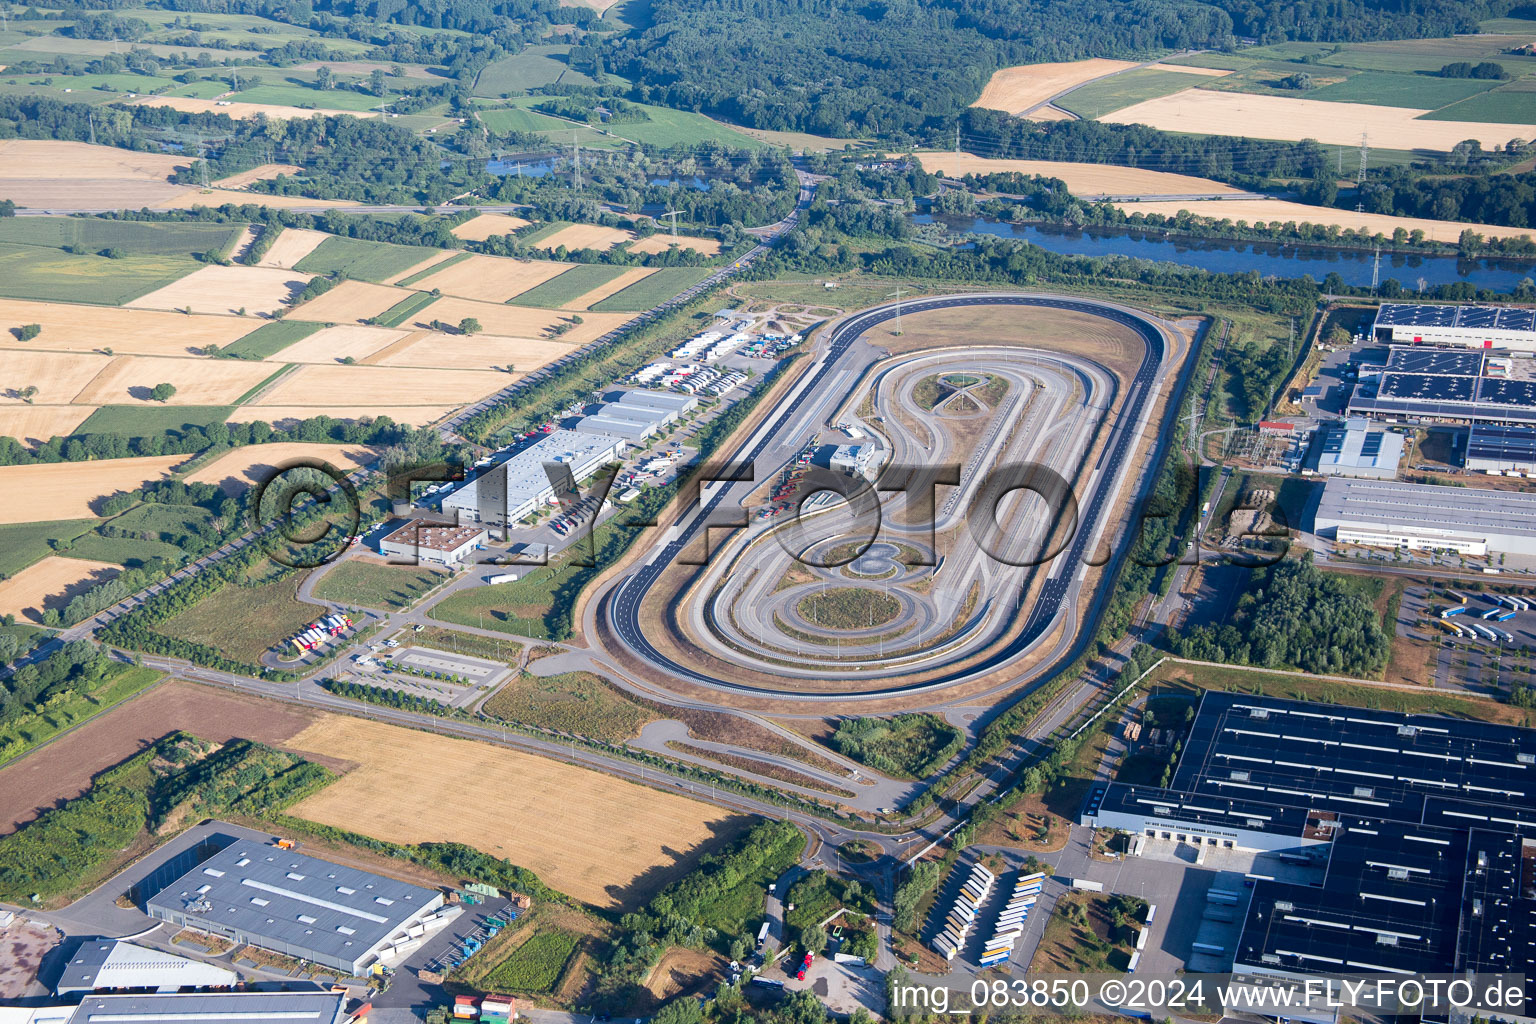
(507, 492)
(1418, 828)
(294, 904)
(1430, 384)
(105, 965)
(1355, 448)
(1466, 326)
(223, 1007)
(1425, 517)
(1497, 449)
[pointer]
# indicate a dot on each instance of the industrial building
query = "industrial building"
(511, 490)
(294, 904)
(107, 965)
(1498, 449)
(433, 543)
(637, 415)
(1447, 385)
(1417, 833)
(1465, 326)
(1355, 448)
(852, 459)
(1425, 517)
(224, 1007)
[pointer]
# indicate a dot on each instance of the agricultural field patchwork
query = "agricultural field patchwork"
(50, 583)
(652, 290)
(1018, 89)
(74, 327)
(363, 261)
(239, 468)
(31, 272)
(240, 291)
(490, 278)
(58, 490)
(487, 225)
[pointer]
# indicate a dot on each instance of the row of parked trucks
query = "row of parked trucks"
(962, 914)
(317, 634)
(1504, 609)
(484, 1008)
(1010, 923)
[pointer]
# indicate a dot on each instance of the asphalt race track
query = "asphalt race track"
(625, 600)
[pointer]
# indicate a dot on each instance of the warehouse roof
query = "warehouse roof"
(1427, 507)
(224, 1007)
(1418, 359)
(523, 475)
(666, 400)
(1503, 318)
(1501, 444)
(103, 964)
(434, 536)
(1355, 445)
(296, 900)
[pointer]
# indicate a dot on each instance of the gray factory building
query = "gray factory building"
(294, 904)
(1355, 448)
(1424, 517)
(637, 415)
(1500, 449)
(223, 1007)
(511, 490)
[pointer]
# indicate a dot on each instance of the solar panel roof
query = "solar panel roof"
(1396, 314)
(1416, 359)
(1509, 444)
(1428, 387)
(1501, 391)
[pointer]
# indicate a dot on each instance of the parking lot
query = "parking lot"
(1470, 662)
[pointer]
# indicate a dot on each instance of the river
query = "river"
(1353, 265)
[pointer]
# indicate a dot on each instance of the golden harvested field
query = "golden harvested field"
(663, 241)
(1081, 179)
(1184, 70)
(291, 246)
(480, 352)
(50, 584)
(1268, 210)
(333, 344)
(128, 379)
(585, 236)
(236, 470)
(61, 490)
(263, 172)
(238, 109)
(58, 376)
(350, 301)
(1207, 112)
(241, 290)
(596, 836)
(484, 226)
(187, 198)
(71, 328)
(36, 423)
(381, 385)
(416, 268)
(286, 415)
(76, 175)
(1051, 112)
(491, 278)
(521, 321)
(1017, 89)
(618, 284)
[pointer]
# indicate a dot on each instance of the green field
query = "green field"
(1105, 97)
(244, 622)
(406, 308)
(363, 261)
(299, 96)
(668, 127)
(391, 587)
(1425, 92)
(159, 521)
(27, 272)
(149, 420)
(270, 339)
(579, 702)
(516, 119)
(21, 544)
(204, 90)
(652, 291)
(1512, 104)
(406, 282)
(534, 66)
(572, 284)
(535, 965)
(126, 551)
(122, 82)
(95, 233)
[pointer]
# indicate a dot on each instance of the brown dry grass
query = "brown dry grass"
(662, 241)
(262, 172)
(291, 246)
(333, 344)
(315, 385)
(478, 352)
(491, 278)
(238, 109)
(416, 268)
(1208, 112)
(238, 469)
(58, 376)
(37, 159)
(521, 321)
(36, 423)
(1278, 210)
(589, 299)
(350, 302)
(50, 584)
(286, 415)
(235, 289)
(488, 224)
(680, 971)
(79, 328)
(127, 380)
(586, 236)
(64, 490)
(587, 834)
(1017, 89)
(187, 198)
(1081, 179)
(1187, 70)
